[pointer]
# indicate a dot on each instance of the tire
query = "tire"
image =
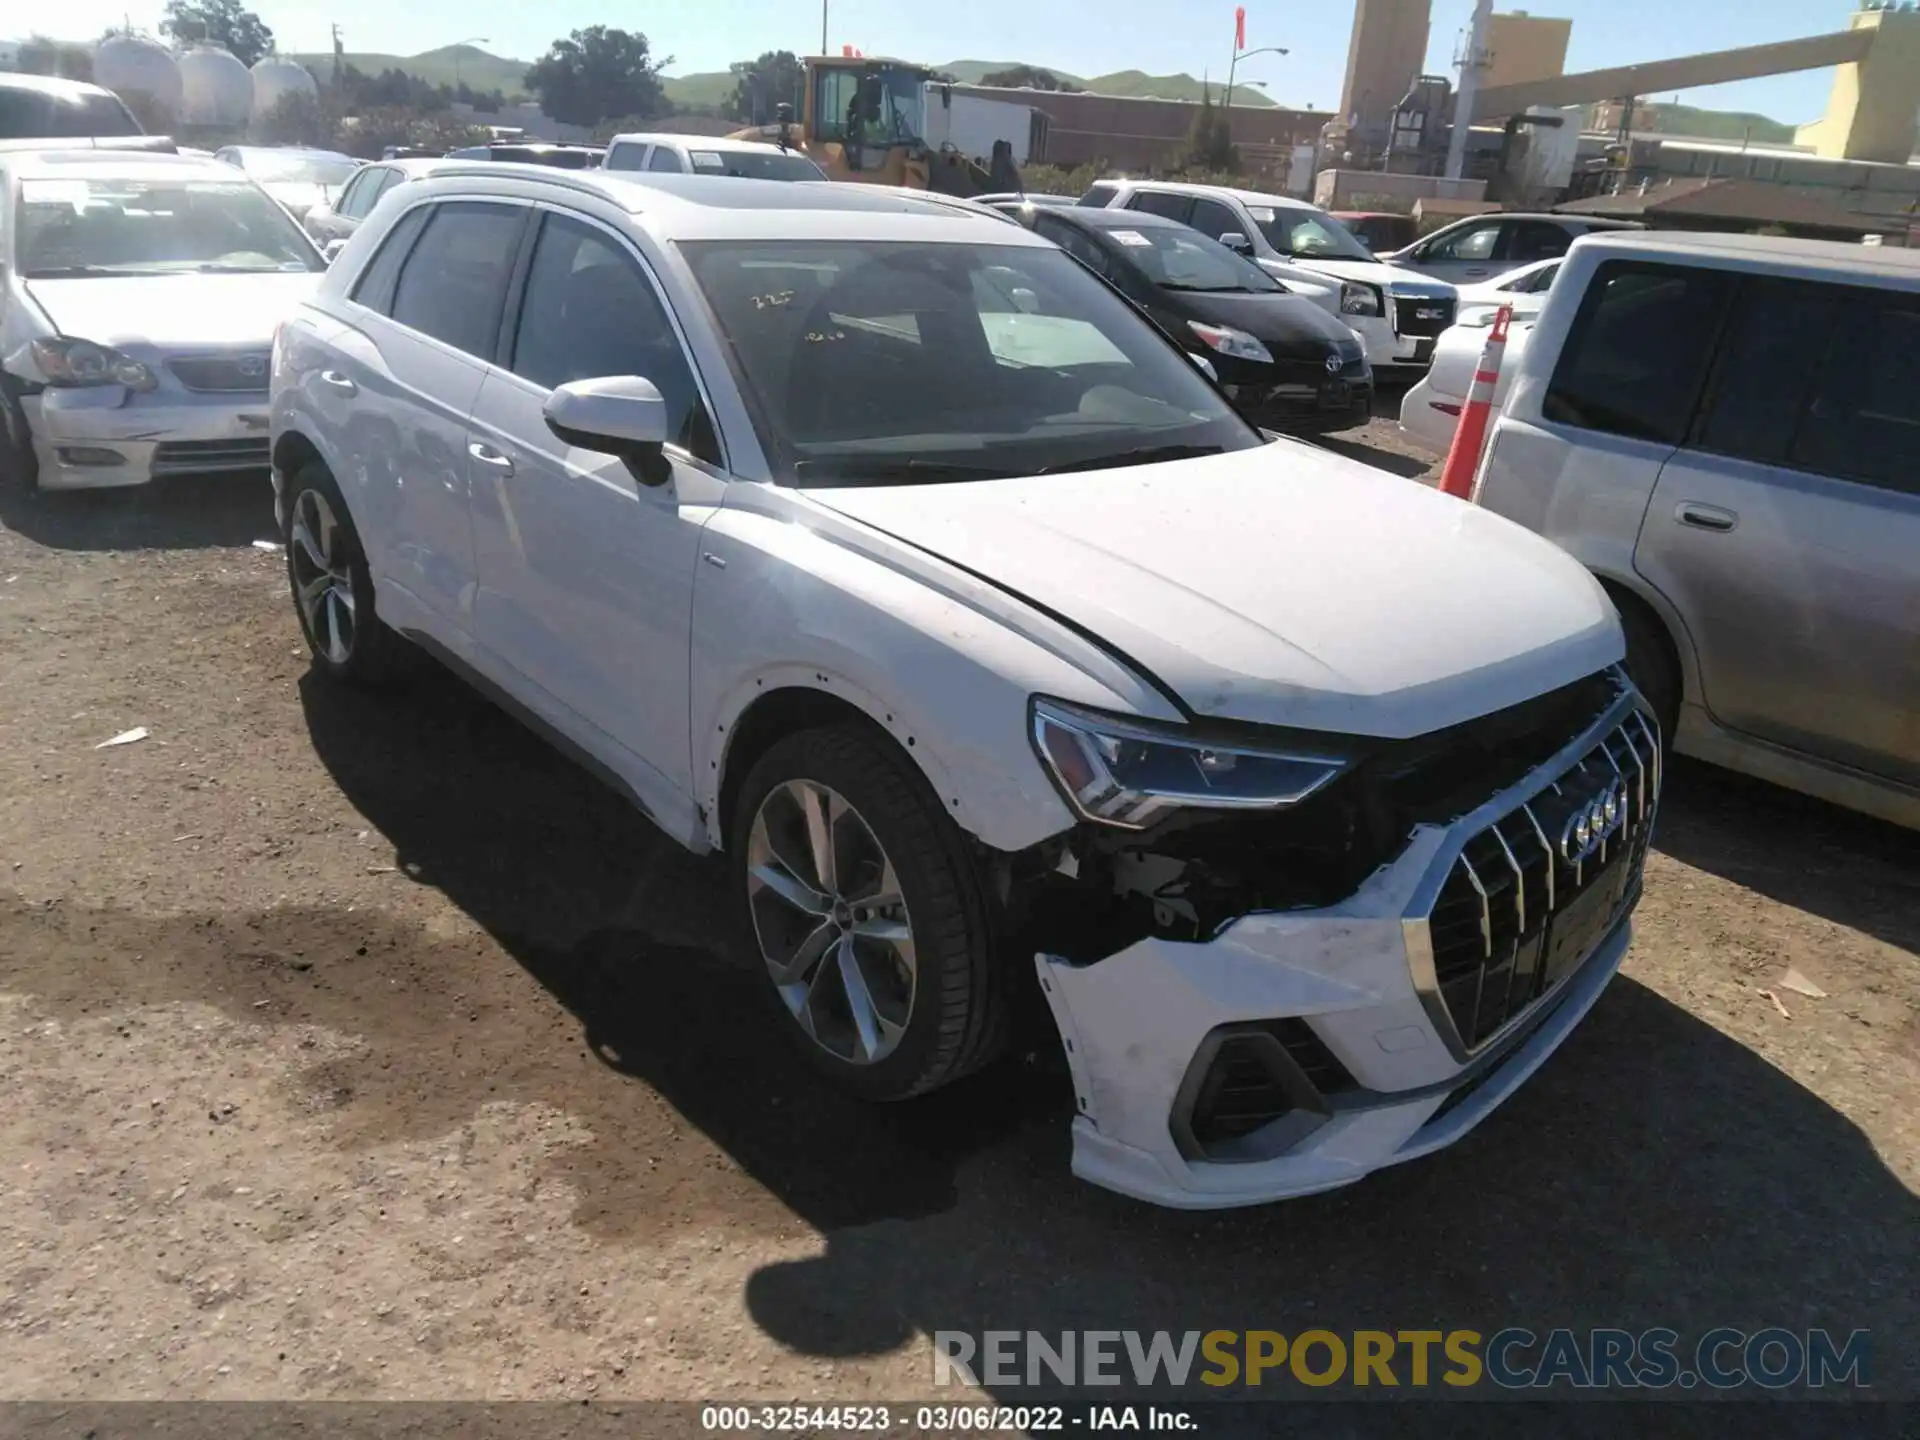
(952, 1018)
(325, 562)
(19, 466)
(1650, 665)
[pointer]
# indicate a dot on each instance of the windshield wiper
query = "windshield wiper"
(63, 272)
(1146, 455)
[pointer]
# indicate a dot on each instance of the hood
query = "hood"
(1393, 278)
(1278, 586)
(193, 311)
(299, 196)
(1288, 324)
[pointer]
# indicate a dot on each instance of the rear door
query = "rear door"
(424, 327)
(1787, 531)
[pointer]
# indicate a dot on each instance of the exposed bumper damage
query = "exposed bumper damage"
(1293, 1051)
(105, 436)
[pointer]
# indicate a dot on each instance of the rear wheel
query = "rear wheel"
(332, 586)
(864, 912)
(1651, 665)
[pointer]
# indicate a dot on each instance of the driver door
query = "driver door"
(586, 574)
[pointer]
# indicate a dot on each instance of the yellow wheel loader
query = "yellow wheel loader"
(864, 120)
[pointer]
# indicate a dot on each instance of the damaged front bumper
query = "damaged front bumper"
(104, 436)
(1299, 1051)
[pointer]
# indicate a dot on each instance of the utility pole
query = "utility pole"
(823, 27)
(339, 46)
(1471, 64)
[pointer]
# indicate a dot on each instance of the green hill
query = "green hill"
(969, 72)
(1711, 124)
(703, 88)
(449, 65)
(1171, 87)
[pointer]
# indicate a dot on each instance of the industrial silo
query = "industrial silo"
(277, 77)
(215, 88)
(131, 65)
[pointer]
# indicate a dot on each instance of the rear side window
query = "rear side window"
(625, 157)
(1213, 220)
(1155, 202)
(374, 288)
(1864, 420)
(454, 283)
(1776, 342)
(1637, 351)
(1532, 240)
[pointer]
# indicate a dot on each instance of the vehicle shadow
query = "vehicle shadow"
(1842, 866)
(187, 512)
(1394, 462)
(1655, 1173)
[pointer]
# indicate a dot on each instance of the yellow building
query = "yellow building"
(1871, 108)
(1523, 47)
(1388, 49)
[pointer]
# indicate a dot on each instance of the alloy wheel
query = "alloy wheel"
(831, 922)
(322, 577)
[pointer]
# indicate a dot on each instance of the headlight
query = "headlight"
(81, 362)
(1357, 299)
(1128, 774)
(1229, 341)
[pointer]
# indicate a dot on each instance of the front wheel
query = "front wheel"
(19, 466)
(865, 915)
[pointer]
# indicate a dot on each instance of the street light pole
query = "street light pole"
(1239, 55)
(470, 40)
(823, 27)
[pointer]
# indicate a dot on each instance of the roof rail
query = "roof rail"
(515, 170)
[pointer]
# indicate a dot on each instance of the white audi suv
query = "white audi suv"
(883, 548)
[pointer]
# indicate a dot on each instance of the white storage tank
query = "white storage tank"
(133, 65)
(277, 77)
(215, 88)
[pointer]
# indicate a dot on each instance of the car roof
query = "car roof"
(1832, 259)
(51, 85)
(700, 142)
(1245, 197)
(705, 207)
(1551, 217)
(288, 150)
(115, 165)
(1102, 219)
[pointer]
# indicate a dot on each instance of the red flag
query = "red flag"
(1239, 27)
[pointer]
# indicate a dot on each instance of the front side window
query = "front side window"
(155, 227)
(1635, 354)
(589, 311)
(454, 281)
(1099, 195)
(1162, 202)
(888, 362)
(663, 159)
(834, 92)
(1074, 243)
(1213, 219)
(1307, 234)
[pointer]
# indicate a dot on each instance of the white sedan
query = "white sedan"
(138, 298)
(880, 546)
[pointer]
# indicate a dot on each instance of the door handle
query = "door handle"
(490, 457)
(1705, 517)
(337, 381)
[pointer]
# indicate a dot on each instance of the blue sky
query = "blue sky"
(1127, 34)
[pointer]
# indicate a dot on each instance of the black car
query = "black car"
(1283, 361)
(560, 155)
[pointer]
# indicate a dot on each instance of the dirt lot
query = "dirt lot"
(367, 1048)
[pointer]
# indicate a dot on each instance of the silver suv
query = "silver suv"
(1726, 429)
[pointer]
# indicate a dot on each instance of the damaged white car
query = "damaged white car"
(138, 297)
(883, 548)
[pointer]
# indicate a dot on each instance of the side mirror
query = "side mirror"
(621, 415)
(330, 251)
(1236, 242)
(1204, 366)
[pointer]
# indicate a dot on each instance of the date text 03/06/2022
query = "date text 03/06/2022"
(944, 1419)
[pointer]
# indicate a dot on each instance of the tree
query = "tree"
(66, 59)
(296, 118)
(1028, 77)
(1210, 138)
(596, 74)
(759, 85)
(226, 23)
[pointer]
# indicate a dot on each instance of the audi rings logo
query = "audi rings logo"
(1589, 827)
(253, 366)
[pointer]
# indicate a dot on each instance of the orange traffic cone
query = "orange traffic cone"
(1463, 456)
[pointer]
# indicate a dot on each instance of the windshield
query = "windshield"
(898, 362)
(276, 167)
(755, 164)
(1181, 259)
(1307, 234)
(146, 227)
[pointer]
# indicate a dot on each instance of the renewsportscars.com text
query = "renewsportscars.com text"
(1511, 1358)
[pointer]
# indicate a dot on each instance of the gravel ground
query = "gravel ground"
(366, 1048)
